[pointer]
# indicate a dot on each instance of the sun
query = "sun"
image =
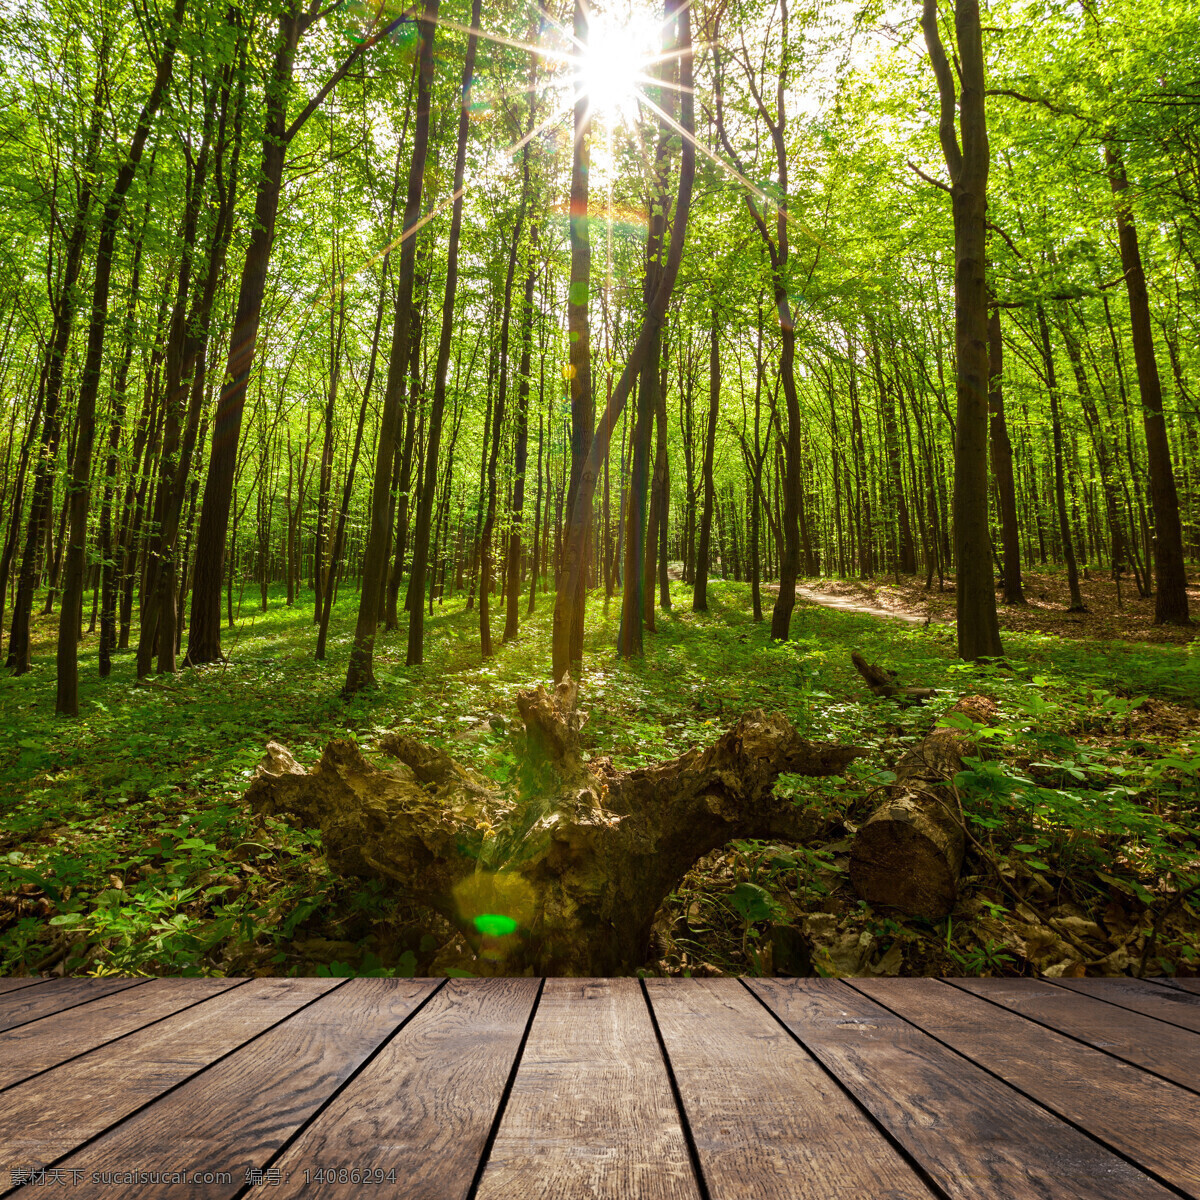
(622, 43)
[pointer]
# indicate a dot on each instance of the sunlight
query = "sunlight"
(622, 44)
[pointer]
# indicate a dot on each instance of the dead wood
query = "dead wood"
(908, 854)
(565, 877)
(883, 682)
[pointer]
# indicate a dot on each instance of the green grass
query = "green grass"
(125, 846)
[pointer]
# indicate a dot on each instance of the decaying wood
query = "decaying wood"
(883, 682)
(565, 877)
(908, 854)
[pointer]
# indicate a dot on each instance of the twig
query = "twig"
(1150, 942)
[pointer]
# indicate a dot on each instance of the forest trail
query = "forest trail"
(833, 600)
(847, 604)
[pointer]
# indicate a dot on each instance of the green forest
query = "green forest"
(662, 487)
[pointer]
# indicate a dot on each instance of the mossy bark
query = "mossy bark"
(565, 876)
(909, 853)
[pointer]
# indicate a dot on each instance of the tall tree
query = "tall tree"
(67, 696)
(360, 672)
(296, 18)
(572, 573)
(433, 443)
(967, 162)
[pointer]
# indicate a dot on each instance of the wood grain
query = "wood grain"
(14, 984)
(31, 1004)
(1174, 1007)
(45, 1043)
(50, 1115)
(591, 1112)
(420, 1112)
(1183, 985)
(767, 1122)
(240, 1111)
(1154, 1123)
(1167, 1050)
(975, 1136)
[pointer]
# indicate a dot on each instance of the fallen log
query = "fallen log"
(883, 682)
(565, 877)
(909, 852)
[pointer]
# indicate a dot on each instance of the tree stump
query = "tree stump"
(565, 877)
(909, 852)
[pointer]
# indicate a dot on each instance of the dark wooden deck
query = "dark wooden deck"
(447, 1089)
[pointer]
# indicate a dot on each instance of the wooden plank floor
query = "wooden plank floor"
(520, 1089)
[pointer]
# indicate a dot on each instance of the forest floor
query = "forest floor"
(125, 844)
(1110, 614)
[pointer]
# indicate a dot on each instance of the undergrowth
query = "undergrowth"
(125, 845)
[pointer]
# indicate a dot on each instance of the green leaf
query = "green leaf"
(752, 902)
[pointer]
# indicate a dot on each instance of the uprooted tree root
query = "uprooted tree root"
(565, 876)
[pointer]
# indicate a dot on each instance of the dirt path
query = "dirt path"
(849, 604)
(846, 604)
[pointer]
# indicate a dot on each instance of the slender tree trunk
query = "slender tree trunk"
(67, 696)
(572, 575)
(1060, 488)
(521, 448)
(567, 636)
(416, 616)
(700, 587)
(1002, 464)
(360, 673)
(975, 597)
(1170, 574)
(41, 502)
(204, 632)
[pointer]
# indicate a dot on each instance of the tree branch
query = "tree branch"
(947, 133)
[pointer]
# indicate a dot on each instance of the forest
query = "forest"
(672, 487)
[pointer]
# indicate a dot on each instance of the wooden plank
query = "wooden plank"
(50, 1115)
(15, 984)
(975, 1136)
(39, 1045)
(1151, 1122)
(236, 1114)
(767, 1121)
(591, 1111)
(416, 1120)
(1176, 1008)
(1182, 985)
(1167, 1050)
(31, 1004)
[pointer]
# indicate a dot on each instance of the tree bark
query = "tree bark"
(572, 576)
(433, 444)
(908, 854)
(1002, 464)
(975, 597)
(1170, 574)
(700, 587)
(360, 672)
(567, 635)
(67, 695)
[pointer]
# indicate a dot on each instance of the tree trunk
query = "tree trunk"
(975, 597)
(908, 854)
(700, 587)
(1002, 464)
(360, 672)
(433, 444)
(1170, 575)
(67, 695)
(1060, 486)
(567, 635)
